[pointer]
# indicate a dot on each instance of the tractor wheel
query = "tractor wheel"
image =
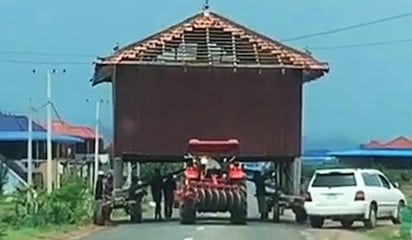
(135, 210)
(99, 215)
(187, 214)
(239, 212)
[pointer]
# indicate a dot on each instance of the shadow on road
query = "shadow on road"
(200, 220)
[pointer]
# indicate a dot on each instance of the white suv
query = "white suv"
(349, 195)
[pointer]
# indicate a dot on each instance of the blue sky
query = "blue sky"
(366, 95)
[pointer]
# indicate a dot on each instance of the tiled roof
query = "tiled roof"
(9, 122)
(62, 127)
(397, 143)
(373, 144)
(209, 39)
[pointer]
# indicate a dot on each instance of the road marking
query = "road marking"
(188, 238)
(200, 228)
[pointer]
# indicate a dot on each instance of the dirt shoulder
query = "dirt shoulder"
(52, 233)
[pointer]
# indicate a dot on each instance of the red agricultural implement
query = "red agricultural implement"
(213, 181)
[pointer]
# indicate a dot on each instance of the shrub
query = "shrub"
(70, 204)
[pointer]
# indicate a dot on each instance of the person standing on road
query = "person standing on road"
(156, 187)
(108, 186)
(259, 181)
(168, 191)
(98, 192)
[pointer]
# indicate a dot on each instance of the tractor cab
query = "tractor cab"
(213, 160)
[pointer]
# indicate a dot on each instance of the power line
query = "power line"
(331, 47)
(47, 54)
(350, 27)
(361, 45)
(4, 60)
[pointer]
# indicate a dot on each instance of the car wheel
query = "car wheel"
(316, 222)
(371, 222)
(397, 219)
(346, 223)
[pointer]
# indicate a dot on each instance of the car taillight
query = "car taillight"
(308, 197)
(360, 196)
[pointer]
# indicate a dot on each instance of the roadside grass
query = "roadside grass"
(384, 233)
(50, 232)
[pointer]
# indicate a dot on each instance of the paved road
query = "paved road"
(203, 230)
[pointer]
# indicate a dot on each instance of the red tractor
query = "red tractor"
(213, 181)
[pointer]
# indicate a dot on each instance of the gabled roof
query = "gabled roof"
(83, 132)
(373, 144)
(400, 142)
(209, 39)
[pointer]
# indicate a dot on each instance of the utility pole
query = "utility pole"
(30, 149)
(96, 141)
(49, 134)
(49, 128)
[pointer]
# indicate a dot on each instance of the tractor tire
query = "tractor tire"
(187, 214)
(239, 212)
(135, 212)
(239, 215)
(99, 214)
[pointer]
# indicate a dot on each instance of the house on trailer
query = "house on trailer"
(208, 77)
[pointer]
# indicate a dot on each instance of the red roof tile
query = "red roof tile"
(62, 127)
(373, 144)
(399, 142)
(212, 40)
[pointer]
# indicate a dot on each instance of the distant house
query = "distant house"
(400, 142)
(394, 154)
(83, 149)
(14, 137)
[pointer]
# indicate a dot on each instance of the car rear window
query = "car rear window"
(335, 179)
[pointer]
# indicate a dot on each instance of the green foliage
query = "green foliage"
(3, 177)
(70, 204)
(148, 169)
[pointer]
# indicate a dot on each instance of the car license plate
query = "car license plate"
(331, 197)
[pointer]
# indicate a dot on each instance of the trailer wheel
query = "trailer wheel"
(300, 214)
(135, 210)
(99, 214)
(187, 214)
(276, 211)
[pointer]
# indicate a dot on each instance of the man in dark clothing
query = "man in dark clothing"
(98, 192)
(156, 187)
(259, 181)
(108, 186)
(169, 187)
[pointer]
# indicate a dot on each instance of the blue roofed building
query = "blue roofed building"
(393, 154)
(14, 136)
